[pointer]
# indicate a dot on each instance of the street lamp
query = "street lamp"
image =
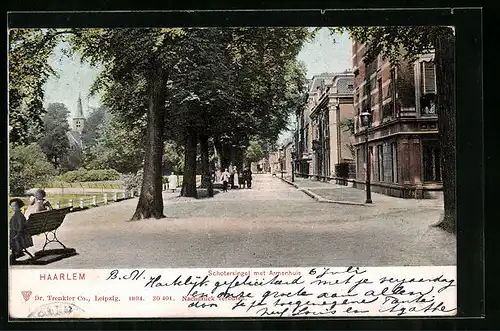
(366, 120)
(294, 156)
(281, 162)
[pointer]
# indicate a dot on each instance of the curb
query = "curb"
(289, 182)
(321, 199)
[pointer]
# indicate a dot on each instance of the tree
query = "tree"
(90, 131)
(142, 59)
(172, 157)
(396, 43)
(116, 147)
(29, 51)
(200, 98)
(191, 76)
(54, 141)
(254, 152)
(28, 167)
(267, 75)
(73, 159)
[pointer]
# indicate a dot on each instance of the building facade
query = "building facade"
(403, 145)
(322, 138)
(274, 162)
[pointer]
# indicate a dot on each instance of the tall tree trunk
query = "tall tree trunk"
(238, 160)
(189, 178)
(206, 178)
(225, 155)
(218, 153)
(151, 200)
(445, 76)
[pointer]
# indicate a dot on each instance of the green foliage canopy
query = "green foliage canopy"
(54, 141)
(28, 168)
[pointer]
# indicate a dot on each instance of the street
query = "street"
(271, 225)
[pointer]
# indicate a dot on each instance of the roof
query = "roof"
(319, 80)
(79, 108)
(343, 85)
(75, 138)
(341, 79)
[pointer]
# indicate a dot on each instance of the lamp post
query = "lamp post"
(294, 155)
(281, 162)
(366, 119)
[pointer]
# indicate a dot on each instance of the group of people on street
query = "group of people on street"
(20, 239)
(234, 179)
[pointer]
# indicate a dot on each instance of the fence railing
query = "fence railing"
(107, 197)
(95, 200)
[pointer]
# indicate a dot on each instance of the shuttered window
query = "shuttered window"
(428, 77)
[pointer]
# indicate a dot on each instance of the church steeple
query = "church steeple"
(79, 120)
(79, 110)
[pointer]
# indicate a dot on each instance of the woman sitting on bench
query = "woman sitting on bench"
(20, 239)
(37, 204)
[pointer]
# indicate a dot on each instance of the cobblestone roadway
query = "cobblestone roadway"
(272, 224)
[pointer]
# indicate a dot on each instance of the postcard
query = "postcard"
(231, 172)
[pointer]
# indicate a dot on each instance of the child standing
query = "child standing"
(19, 236)
(225, 179)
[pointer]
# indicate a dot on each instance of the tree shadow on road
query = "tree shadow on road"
(203, 193)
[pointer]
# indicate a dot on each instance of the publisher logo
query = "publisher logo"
(26, 295)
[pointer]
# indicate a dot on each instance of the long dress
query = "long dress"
(19, 236)
(172, 182)
(236, 179)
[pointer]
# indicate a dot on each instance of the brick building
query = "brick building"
(403, 139)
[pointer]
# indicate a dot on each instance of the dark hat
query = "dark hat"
(18, 201)
(40, 194)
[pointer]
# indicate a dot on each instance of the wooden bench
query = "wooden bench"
(47, 222)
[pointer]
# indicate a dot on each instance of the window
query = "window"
(367, 104)
(380, 95)
(380, 163)
(356, 101)
(360, 161)
(431, 160)
(390, 92)
(306, 139)
(428, 88)
(350, 87)
(394, 154)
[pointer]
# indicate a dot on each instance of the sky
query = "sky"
(326, 53)
(76, 78)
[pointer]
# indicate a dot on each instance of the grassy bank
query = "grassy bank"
(63, 200)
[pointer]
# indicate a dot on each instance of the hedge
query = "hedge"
(84, 175)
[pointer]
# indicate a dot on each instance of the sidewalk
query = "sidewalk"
(335, 193)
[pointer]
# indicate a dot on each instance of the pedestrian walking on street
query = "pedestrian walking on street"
(249, 178)
(236, 178)
(247, 174)
(172, 182)
(241, 179)
(224, 179)
(231, 177)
